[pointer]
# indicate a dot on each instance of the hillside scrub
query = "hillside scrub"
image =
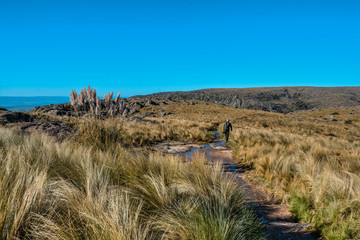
(273, 99)
(55, 190)
(309, 123)
(317, 175)
(194, 121)
(111, 132)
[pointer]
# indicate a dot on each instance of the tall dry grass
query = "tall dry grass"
(318, 175)
(312, 156)
(116, 131)
(64, 191)
(345, 124)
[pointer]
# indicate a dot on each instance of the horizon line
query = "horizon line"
(343, 86)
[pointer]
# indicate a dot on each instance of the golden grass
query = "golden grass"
(309, 158)
(312, 158)
(106, 133)
(320, 174)
(64, 191)
(310, 123)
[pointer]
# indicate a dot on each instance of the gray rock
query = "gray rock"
(57, 129)
(277, 99)
(59, 112)
(150, 103)
(13, 117)
(133, 110)
(146, 114)
(163, 113)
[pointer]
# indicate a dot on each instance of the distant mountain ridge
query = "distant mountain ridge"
(273, 99)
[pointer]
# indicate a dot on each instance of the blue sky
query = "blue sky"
(49, 47)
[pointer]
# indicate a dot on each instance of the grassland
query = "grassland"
(344, 124)
(53, 190)
(95, 185)
(309, 160)
(105, 133)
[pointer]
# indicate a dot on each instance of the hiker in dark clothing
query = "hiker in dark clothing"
(227, 128)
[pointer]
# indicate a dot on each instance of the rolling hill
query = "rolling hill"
(276, 99)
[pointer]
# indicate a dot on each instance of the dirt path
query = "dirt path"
(278, 221)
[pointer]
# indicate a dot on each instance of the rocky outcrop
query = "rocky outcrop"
(14, 117)
(28, 123)
(150, 103)
(127, 108)
(64, 109)
(57, 129)
(279, 99)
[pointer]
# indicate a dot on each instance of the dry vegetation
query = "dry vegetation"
(345, 124)
(318, 176)
(55, 190)
(87, 100)
(115, 131)
(90, 187)
(311, 159)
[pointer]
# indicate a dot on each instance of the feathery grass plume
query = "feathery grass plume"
(120, 107)
(98, 107)
(111, 108)
(107, 100)
(88, 100)
(73, 98)
(91, 99)
(117, 99)
(93, 96)
(83, 99)
(117, 104)
(89, 92)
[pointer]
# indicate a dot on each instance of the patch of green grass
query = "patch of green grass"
(302, 207)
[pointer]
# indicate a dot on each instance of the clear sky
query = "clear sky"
(49, 47)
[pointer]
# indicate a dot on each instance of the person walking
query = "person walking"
(227, 129)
